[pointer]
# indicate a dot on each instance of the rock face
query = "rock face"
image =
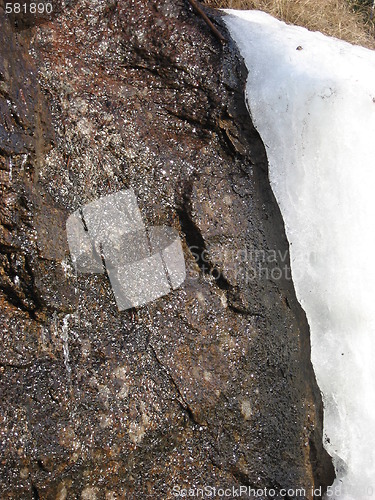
(209, 385)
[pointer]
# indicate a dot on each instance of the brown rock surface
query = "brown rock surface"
(209, 385)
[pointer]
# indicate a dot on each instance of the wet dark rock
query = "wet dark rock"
(209, 385)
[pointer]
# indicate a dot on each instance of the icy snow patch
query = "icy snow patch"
(312, 99)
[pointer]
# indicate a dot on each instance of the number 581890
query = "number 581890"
(28, 8)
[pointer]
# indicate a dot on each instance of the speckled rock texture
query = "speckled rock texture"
(210, 385)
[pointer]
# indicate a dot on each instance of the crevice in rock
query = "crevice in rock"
(186, 118)
(244, 312)
(34, 492)
(180, 399)
(196, 243)
(13, 298)
(188, 411)
(26, 365)
(25, 298)
(241, 477)
(33, 290)
(18, 366)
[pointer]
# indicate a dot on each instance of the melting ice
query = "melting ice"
(312, 99)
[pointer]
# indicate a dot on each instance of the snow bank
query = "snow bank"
(312, 99)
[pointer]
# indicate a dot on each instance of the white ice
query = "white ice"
(312, 99)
